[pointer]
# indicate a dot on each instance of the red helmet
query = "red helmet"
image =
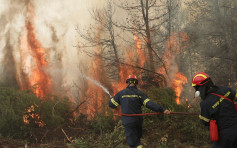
(200, 79)
(132, 79)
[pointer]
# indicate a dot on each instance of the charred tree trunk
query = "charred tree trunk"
(145, 13)
(113, 44)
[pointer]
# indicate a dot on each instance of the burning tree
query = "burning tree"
(116, 55)
(137, 55)
(152, 21)
(106, 41)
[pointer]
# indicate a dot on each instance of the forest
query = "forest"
(61, 63)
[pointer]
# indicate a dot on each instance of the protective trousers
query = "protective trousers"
(133, 133)
(228, 139)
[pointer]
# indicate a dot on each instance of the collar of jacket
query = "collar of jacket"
(132, 87)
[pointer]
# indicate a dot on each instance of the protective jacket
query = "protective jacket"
(131, 100)
(214, 107)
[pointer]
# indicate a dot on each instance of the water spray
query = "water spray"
(97, 84)
(144, 114)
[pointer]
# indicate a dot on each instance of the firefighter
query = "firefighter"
(131, 100)
(218, 108)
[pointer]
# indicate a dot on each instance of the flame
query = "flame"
(29, 113)
(130, 57)
(141, 53)
(123, 73)
(33, 60)
(176, 80)
(94, 94)
(39, 76)
(178, 40)
(178, 83)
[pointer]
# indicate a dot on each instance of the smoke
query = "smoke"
(53, 23)
(40, 36)
(11, 16)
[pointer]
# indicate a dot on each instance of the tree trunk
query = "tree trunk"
(148, 34)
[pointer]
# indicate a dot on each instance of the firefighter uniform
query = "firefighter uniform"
(214, 107)
(131, 101)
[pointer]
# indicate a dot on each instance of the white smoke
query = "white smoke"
(54, 23)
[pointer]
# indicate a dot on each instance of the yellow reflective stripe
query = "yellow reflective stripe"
(221, 99)
(217, 103)
(203, 118)
(139, 146)
(131, 75)
(145, 101)
(236, 96)
(114, 102)
(200, 75)
(131, 96)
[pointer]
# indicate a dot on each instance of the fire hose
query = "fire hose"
(145, 114)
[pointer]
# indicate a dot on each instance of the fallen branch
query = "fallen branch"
(66, 135)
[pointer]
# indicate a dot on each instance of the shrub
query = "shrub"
(165, 97)
(12, 107)
(23, 114)
(180, 128)
(103, 121)
(81, 143)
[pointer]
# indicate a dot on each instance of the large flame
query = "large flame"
(134, 57)
(33, 61)
(94, 94)
(39, 76)
(176, 80)
(124, 72)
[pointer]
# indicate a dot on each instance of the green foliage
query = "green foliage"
(23, 114)
(165, 97)
(179, 128)
(55, 112)
(115, 139)
(182, 129)
(105, 129)
(81, 143)
(103, 120)
(12, 107)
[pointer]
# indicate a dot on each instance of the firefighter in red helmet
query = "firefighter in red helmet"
(131, 100)
(217, 104)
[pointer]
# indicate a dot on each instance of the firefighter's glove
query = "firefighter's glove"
(166, 112)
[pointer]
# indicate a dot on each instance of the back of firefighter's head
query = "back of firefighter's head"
(132, 79)
(200, 79)
(202, 83)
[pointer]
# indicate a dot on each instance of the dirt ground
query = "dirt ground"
(7, 143)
